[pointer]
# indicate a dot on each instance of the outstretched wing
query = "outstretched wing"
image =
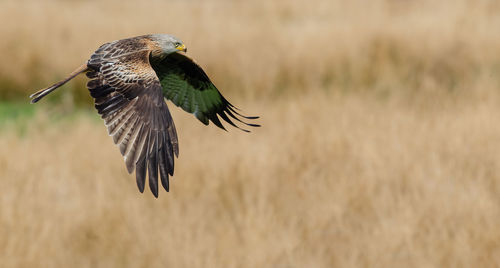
(188, 86)
(128, 96)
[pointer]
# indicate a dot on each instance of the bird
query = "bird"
(129, 80)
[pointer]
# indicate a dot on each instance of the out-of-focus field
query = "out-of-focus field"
(380, 144)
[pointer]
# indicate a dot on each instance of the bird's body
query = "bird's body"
(129, 80)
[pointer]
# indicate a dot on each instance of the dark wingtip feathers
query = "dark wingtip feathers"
(230, 110)
(35, 97)
(35, 100)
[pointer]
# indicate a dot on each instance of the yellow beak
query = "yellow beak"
(182, 47)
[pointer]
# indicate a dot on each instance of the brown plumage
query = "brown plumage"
(129, 95)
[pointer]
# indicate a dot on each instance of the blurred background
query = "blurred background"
(380, 142)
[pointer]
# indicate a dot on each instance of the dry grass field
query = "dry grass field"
(380, 144)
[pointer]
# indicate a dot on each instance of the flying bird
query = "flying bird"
(129, 81)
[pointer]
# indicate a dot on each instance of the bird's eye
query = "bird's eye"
(177, 44)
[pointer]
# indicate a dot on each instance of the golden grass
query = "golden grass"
(379, 144)
(329, 181)
(262, 48)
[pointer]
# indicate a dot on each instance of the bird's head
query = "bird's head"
(169, 44)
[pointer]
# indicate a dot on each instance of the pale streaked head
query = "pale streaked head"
(169, 43)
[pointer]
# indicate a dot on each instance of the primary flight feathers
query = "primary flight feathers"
(129, 80)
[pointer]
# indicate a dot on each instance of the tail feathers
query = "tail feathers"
(35, 97)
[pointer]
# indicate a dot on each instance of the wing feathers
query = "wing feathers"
(131, 149)
(132, 157)
(188, 86)
(118, 129)
(113, 118)
(44, 92)
(128, 133)
(129, 98)
(134, 138)
(153, 163)
(140, 172)
(163, 169)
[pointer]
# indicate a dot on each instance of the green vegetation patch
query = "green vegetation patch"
(14, 111)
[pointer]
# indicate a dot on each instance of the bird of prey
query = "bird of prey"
(129, 80)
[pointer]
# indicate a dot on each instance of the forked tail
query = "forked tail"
(43, 92)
